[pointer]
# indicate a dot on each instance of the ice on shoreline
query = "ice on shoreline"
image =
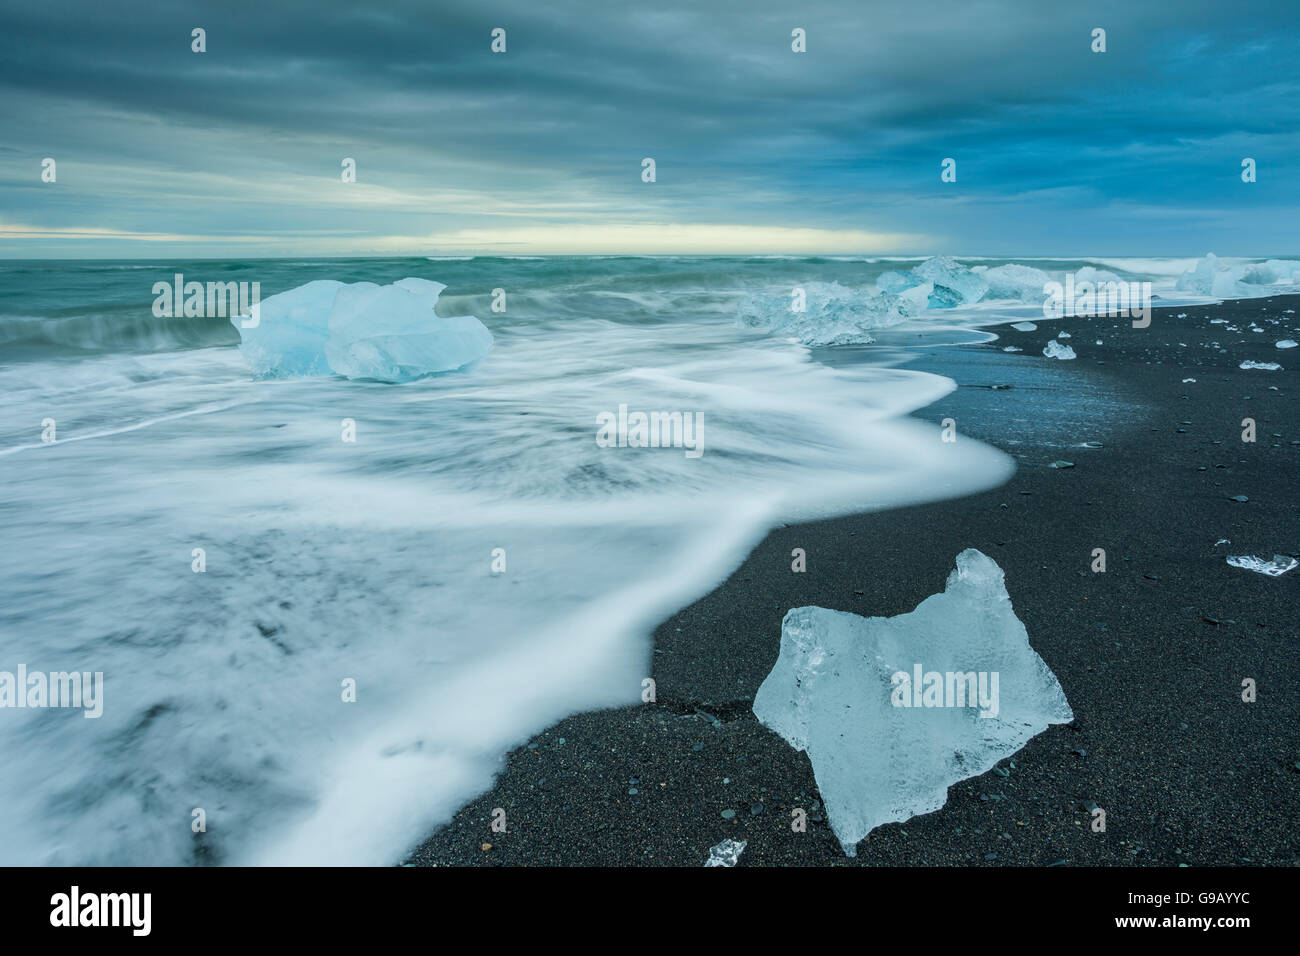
(726, 853)
(831, 313)
(387, 333)
(883, 750)
(1279, 566)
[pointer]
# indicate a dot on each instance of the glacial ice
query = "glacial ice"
(726, 853)
(1056, 350)
(833, 314)
(954, 284)
(1267, 366)
(1286, 344)
(1279, 566)
(837, 693)
(1211, 277)
(1024, 326)
(1016, 282)
(362, 331)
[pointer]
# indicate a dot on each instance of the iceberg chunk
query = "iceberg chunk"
(1056, 350)
(726, 853)
(1024, 283)
(1279, 566)
(893, 281)
(362, 331)
(291, 329)
(884, 745)
(1267, 366)
(833, 314)
(954, 284)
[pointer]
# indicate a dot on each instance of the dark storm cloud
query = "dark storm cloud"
(1058, 149)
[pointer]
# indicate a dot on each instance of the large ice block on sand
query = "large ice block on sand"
(362, 330)
(884, 745)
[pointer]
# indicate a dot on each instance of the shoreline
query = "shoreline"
(1151, 654)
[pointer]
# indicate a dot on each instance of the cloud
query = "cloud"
(452, 140)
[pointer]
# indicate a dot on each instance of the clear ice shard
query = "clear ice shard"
(1279, 566)
(1056, 350)
(726, 853)
(894, 710)
(361, 330)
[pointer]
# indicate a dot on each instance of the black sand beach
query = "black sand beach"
(1151, 654)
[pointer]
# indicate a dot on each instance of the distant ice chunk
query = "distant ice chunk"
(833, 314)
(1095, 276)
(882, 749)
(1012, 348)
(954, 284)
(362, 330)
(1016, 282)
(726, 853)
(1210, 277)
(1279, 566)
(1056, 350)
(1024, 326)
(1267, 366)
(1286, 344)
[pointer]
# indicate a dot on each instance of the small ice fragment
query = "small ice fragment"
(1186, 380)
(1099, 341)
(1024, 326)
(1056, 350)
(1279, 566)
(1287, 344)
(1064, 335)
(894, 710)
(1012, 348)
(1222, 541)
(1218, 321)
(1181, 315)
(726, 853)
(1268, 366)
(1061, 464)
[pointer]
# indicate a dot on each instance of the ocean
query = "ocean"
(314, 650)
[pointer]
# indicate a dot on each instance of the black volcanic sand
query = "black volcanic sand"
(1151, 654)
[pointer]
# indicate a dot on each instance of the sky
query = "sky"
(238, 151)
